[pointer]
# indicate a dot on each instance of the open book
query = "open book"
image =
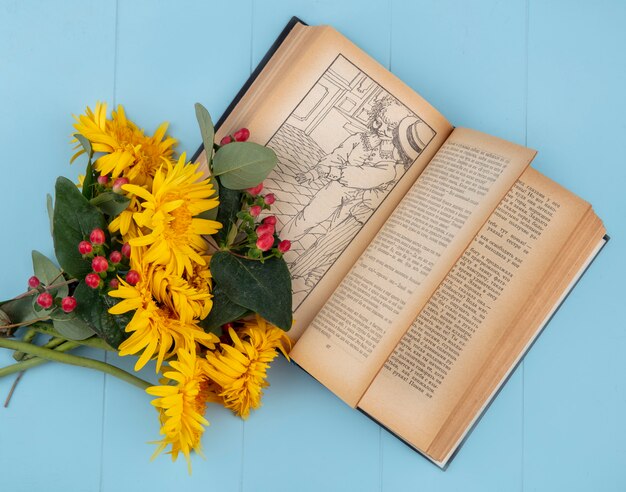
(425, 258)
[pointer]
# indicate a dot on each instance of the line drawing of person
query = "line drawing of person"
(354, 178)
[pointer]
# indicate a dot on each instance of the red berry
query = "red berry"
(265, 229)
(226, 140)
(84, 247)
(271, 220)
(132, 277)
(33, 282)
(103, 180)
(99, 264)
(68, 304)
(118, 183)
(284, 245)
(265, 242)
(126, 250)
(114, 283)
(97, 236)
(255, 210)
(242, 135)
(270, 198)
(115, 257)
(45, 300)
(92, 280)
(254, 191)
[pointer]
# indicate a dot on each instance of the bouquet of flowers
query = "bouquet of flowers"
(162, 259)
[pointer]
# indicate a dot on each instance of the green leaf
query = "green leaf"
(49, 273)
(230, 205)
(89, 182)
(93, 308)
(111, 203)
(241, 165)
(264, 288)
(74, 219)
(50, 209)
(20, 310)
(223, 311)
(85, 143)
(73, 328)
(206, 130)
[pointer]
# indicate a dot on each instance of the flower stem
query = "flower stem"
(74, 360)
(35, 361)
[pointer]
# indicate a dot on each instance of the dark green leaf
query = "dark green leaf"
(93, 308)
(223, 311)
(49, 273)
(206, 130)
(74, 219)
(241, 165)
(73, 328)
(264, 288)
(20, 310)
(230, 204)
(50, 209)
(89, 182)
(111, 203)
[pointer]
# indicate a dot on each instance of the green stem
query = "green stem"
(27, 338)
(53, 343)
(93, 342)
(34, 361)
(74, 360)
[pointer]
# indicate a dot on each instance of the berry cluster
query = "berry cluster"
(260, 237)
(45, 300)
(240, 135)
(106, 184)
(105, 271)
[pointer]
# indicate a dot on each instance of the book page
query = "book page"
(358, 328)
(471, 312)
(350, 138)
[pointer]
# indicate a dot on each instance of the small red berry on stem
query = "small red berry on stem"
(103, 180)
(255, 210)
(92, 280)
(115, 257)
(265, 229)
(242, 135)
(118, 183)
(45, 300)
(33, 282)
(284, 245)
(99, 264)
(271, 220)
(270, 198)
(226, 140)
(132, 277)
(114, 283)
(68, 304)
(84, 247)
(126, 250)
(254, 191)
(97, 237)
(265, 242)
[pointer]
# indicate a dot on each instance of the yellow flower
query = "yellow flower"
(189, 296)
(155, 329)
(240, 369)
(170, 214)
(181, 402)
(128, 151)
(124, 221)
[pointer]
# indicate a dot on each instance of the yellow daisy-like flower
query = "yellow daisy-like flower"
(240, 369)
(170, 213)
(128, 151)
(124, 222)
(189, 296)
(155, 329)
(181, 402)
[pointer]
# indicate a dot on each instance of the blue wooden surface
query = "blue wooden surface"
(551, 75)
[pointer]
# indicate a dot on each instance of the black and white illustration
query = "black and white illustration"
(340, 152)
